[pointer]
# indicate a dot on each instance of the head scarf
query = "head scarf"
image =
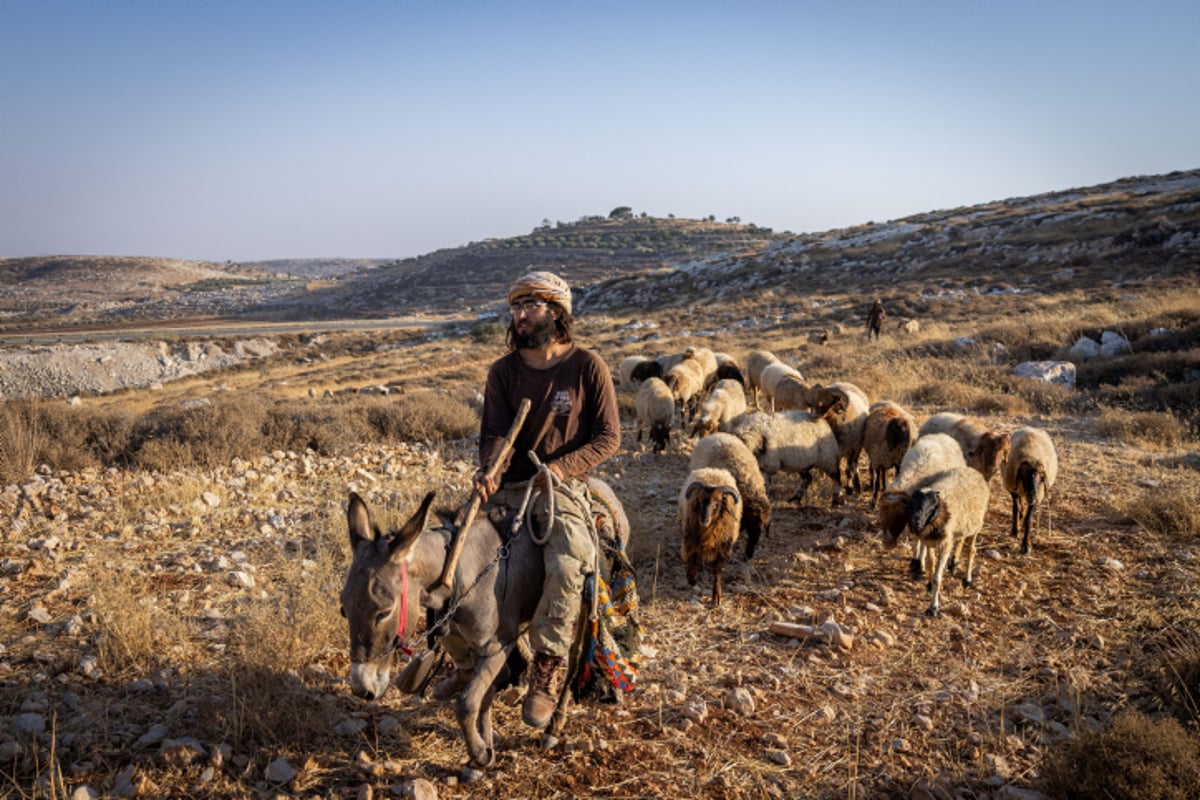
(543, 285)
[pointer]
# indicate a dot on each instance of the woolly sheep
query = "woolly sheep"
(686, 380)
(1029, 473)
(707, 360)
(771, 376)
(627, 367)
(790, 394)
(729, 368)
(983, 449)
(710, 513)
(846, 407)
(756, 362)
(929, 457)
(728, 452)
(726, 401)
(655, 409)
(889, 432)
(791, 441)
(947, 514)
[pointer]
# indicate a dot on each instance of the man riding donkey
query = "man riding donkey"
(573, 427)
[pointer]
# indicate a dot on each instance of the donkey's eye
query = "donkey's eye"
(381, 617)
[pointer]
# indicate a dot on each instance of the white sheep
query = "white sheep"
(710, 514)
(984, 450)
(686, 380)
(790, 394)
(771, 376)
(791, 441)
(726, 401)
(889, 432)
(707, 360)
(846, 407)
(728, 452)
(756, 362)
(655, 410)
(627, 367)
(947, 514)
(1029, 473)
(929, 457)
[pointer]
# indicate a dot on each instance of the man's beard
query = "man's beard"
(539, 334)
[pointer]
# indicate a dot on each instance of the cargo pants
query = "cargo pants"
(568, 555)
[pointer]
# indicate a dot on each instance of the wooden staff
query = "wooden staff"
(460, 538)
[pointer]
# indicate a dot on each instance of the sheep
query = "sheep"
(729, 368)
(756, 362)
(686, 380)
(650, 368)
(669, 360)
(929, 457)
(1029, 473)
(790, 394)
(629, 365)
(726, 401)
(771, 376)
(655, 409)
(983, 449)
(947, 514)
(728, 452)
(846, 407)
(889, 432)
(707, 360)
(710, 513)
(791, 441)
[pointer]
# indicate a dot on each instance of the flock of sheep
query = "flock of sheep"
(756, 421)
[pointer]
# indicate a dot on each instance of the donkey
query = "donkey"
(385, 591)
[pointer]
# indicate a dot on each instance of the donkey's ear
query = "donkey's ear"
(359, 521)
(404, 538)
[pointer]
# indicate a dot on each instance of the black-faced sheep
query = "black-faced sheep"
(650, 368)
(947, 514)
(771, 377)
(686, 381)
(729, 369)
(1029, 473)
(889, 432)
(756, 362)
(929, 457)
(984, 450)
(628, 365)
(792, 441)
(710, 514)
(655, 410)
(846, 407)
(726, 451)
(726, 401)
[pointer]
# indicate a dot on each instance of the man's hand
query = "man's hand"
(484, 485)
(539, 481)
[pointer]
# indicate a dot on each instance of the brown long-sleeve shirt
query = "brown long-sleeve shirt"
(577, 392)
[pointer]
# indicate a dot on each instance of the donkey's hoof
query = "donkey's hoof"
(470, 774)
(549, 741)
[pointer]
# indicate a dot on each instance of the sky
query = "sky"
(244, 131)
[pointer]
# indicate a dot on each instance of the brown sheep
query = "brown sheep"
(710, 514)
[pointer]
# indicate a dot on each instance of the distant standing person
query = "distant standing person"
(875, 320)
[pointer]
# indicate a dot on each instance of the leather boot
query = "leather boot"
(542, 697)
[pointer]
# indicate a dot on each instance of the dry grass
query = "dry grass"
(22, 439)
(944, 706)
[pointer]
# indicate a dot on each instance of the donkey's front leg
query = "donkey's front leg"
(474, 699)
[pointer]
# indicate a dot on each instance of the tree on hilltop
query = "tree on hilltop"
(621, 212)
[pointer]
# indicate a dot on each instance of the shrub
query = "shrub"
(488, 332)
(423, 416)
(205, 434)
(1170, 509)
(22, 438)
(324, 428)
(1152, 428)
(1136, 757)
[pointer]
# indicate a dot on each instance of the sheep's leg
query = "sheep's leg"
(968, 579)
(838, 495)
(1016, 513)
(915, 567)
(806, 479)
(717, 566)
(935, 583)
(1027, 523)
(878, 476)
(693, 570)
(952, 565)
(853, 479)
